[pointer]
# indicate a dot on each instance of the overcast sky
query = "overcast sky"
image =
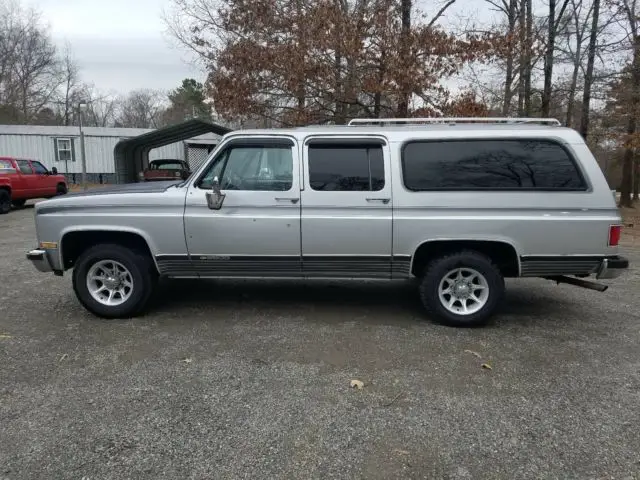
(120, 45)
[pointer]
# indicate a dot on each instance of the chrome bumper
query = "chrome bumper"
(612, 267)
(40, 260)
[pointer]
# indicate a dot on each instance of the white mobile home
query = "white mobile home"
(60, 147)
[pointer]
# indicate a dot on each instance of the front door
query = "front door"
(347, 208)
(46, 184)
(256, 232)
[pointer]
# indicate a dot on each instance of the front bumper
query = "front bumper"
(612, 267)
(40, 260)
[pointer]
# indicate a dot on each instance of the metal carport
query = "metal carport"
(131, 155)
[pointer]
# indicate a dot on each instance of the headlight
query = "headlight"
(141, 175)
(177, 174)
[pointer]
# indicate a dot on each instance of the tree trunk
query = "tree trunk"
(522, 70)
(405, 12)
(528, 57)
(508, 80)
(548, 59)
(572, 89)
(588, 77)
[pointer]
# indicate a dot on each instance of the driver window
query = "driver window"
(253, 168)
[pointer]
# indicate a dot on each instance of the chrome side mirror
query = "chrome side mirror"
(215, 198)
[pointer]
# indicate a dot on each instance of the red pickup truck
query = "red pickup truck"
(21, 180)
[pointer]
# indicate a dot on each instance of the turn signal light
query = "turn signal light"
(614, 235)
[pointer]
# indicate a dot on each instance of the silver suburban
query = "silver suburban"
(458, 204)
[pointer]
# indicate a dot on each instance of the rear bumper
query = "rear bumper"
(612, 267)
(40, 260)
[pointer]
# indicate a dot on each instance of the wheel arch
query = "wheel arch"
(93, 235)
(504, 252)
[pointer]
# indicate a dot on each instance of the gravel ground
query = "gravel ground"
(251, 380)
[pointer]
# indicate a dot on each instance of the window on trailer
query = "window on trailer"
(64, 150)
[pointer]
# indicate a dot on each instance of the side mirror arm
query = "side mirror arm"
(215, 198)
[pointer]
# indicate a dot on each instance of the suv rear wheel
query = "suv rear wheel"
(112, 281)
(462, 289)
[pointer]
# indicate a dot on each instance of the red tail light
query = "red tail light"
(614, 235)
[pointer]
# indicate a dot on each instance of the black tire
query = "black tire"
(61, 189)
(5, 201)
(438, 269)
(143, 274)
(18, 203)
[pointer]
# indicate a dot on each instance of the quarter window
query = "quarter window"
(346, 167)
(489, 165)
(64, 151)
(252, 167)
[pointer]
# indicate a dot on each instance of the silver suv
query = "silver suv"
(458, 204)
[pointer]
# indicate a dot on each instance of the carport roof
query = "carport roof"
(175, 133)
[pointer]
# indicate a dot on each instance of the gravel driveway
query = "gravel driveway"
(251, 380)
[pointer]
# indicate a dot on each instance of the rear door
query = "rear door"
(346, 212)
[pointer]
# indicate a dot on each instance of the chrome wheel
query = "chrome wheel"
(109, 282)
(463, 291)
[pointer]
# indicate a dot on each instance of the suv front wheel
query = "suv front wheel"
(462, 289)
(112, 281)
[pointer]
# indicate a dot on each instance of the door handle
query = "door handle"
(381, 200)
(287, 199)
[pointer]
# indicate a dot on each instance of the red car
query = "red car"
(21, 180)
(166, 170)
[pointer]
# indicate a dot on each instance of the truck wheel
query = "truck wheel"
(462, 289)
(19, 203)
(112, 281)
(5, 201)
(61, 189)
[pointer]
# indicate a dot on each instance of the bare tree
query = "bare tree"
(553, 22)
(141, 109)
(71, 83)
(29, 66)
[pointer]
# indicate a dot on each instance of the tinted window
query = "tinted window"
(252, 167)
(39, 168)
(346, 167)
(24, 167)
(489, 164)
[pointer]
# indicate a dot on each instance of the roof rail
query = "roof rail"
(451, 120)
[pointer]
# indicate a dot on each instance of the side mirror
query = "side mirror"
(215, 198)
(54, 171)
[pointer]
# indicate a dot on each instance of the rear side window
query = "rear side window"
(346, 167)
(489, 165)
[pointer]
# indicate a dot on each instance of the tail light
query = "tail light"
(614, 235)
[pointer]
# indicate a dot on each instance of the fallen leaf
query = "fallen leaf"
(63, 357)
(357, 384)
(487, 366)
(400, 452)
(187, 360)
(475, 354)
(4, 335)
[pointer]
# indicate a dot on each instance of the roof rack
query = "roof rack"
(452, 121)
